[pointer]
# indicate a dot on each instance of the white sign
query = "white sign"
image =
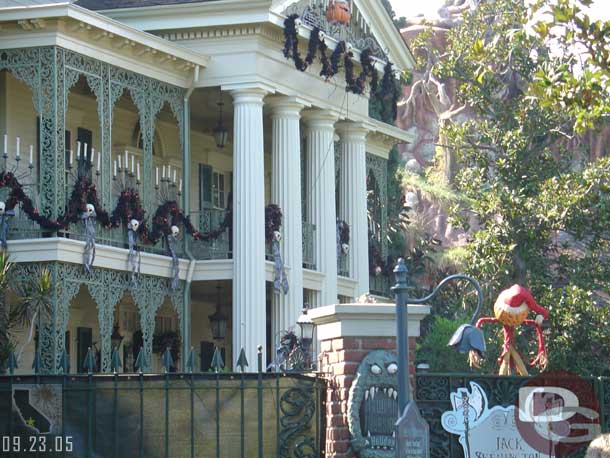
(485, 432)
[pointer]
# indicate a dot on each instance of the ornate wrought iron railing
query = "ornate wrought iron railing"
(432, 393)
(309, 248)
(206, 221)
(214, 414)
(379, 285)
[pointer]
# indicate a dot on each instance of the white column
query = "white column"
(321, 198)
(249, 310)
(286, 192)
(352, 205)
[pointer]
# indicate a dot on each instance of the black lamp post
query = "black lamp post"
(402, 333)
(307, 329)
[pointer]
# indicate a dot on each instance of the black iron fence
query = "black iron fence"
(432, 393)
(173, 415)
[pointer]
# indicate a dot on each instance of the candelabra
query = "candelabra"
(16, 169)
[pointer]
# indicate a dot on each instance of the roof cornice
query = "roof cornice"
(110, 26)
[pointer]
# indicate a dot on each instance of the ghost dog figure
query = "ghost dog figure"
(280, 280)
(89, 254)
(172, 239)
(134, 258)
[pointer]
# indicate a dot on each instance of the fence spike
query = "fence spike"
(242, 361)
(115, 361)
(89, 363)
(141, 361)
(217, 362)
(36, 362)
(12, 363)
(190, 362)
(167, 360)
(64, 363)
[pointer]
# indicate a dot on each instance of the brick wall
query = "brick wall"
(340, 358)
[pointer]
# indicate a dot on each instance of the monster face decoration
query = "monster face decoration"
(373, 406)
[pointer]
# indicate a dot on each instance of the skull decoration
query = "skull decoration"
(134, 224)
(2, 208)
(345, 248)
(277, 236)
(175, 231)
(377, 270)
(90, 210)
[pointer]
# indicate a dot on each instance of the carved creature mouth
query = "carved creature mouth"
(378, 414)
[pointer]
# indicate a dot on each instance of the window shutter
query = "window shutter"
(205, 186)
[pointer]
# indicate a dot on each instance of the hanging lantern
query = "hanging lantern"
(220, 132)
(218, 322)
(339, 11)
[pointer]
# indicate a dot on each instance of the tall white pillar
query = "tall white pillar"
(352, 205)
(249, 306)
(321, 209)
(286, 192)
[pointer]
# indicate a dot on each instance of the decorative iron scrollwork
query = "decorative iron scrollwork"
(297, 407)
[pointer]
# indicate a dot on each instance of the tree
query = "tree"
(542, 220)
(24, 305)
(581, 85)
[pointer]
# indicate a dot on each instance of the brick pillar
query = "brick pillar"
(347, 333)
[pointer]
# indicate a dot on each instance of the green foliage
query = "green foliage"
(519, 177)
(434, 350)
(581, 85)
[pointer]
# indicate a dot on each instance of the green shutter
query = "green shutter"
(205, 186)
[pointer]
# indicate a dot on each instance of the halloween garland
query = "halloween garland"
(330, 67)
(377, 265)
(17, 195)
(273, 221)
(343, 228)
(83, 193)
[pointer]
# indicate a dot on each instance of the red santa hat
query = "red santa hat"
(517, 295)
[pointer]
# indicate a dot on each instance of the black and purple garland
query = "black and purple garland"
(343, 229)
(377, 265)
(129, 207)
(18, 196)
(330, 67)
(273, 221)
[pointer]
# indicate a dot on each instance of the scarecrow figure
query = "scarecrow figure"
(511, 310)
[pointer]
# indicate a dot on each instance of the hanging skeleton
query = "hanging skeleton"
(280, 280)
(5, 216)
(134, 258)
(89, 253)
(172, 239)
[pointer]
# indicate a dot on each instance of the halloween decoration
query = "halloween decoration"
(372, 408)
(134, 259)
(5, 216)
(280, 280)
(338, 11)
(511, 310)
(89, 253)
(172, 240)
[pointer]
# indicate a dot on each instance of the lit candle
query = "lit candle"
(99, 162)
(71, 157)
(133, 161)
(180, 186)
(138, 171)
(169, 172)
(92, 154)
(77, 150)
(31, 154)
(126, 160)
(174, 180)
(84, 152)
(5, 144)
(18, 148)
(119, 163)
(163, 174)
(157, 175)
(115, 168)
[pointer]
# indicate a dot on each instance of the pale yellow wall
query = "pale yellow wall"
(201, 331)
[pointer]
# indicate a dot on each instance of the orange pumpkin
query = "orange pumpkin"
(338, 11)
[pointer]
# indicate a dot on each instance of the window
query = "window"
(165, 324)
(218, 190)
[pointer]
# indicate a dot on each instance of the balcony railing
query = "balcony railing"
(206, 221)
(309, 249)
(379, 285)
